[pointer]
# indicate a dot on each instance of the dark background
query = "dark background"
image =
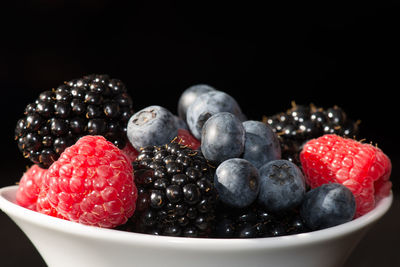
(330, 53)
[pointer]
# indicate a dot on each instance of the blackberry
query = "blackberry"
(92, 105)
(301, 123)
(256, 222)
(176, 195)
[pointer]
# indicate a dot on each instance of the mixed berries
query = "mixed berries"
(363, 168)
(207, 171)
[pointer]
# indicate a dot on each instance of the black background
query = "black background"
(330, 53)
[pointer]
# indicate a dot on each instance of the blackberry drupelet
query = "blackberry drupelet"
(176, 195)
(92, 105)
(256, 222)
(301, 123)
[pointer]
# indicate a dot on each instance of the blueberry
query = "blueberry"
(223, 137)
(151, 126)
(328, 205)
(189, 96)
(237, 182)
(181, 123)
(261, 144)
(282, 185)
(208, 104)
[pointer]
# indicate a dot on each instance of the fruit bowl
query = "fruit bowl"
(65, 243)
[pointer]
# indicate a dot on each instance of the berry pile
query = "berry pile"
(207, 172)
(301, 123)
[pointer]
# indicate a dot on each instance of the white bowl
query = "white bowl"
(64, 243)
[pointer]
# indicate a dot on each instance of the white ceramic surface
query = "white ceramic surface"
(64, 243)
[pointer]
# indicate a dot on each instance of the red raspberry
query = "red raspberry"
(363, 168)
(29, 187)
(42, 203)
(187, 139)
(91, 183)
(130, 152)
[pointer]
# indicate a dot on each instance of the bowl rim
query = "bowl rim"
(13, 210)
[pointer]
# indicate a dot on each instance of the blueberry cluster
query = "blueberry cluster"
(301, 123)
(257, 189)
(94, 104)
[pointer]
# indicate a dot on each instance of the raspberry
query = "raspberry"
(186, 139)
(43, 205)
(130, 152)
(29, 187)
(91, 183)
(363, 168)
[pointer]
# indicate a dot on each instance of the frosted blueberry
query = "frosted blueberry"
(237, 182)
(223, 137)
(208, 104)
(328, 205)
(189, 96)
(261, 145)
(282, 185)
(151, 126)
(181, 123)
